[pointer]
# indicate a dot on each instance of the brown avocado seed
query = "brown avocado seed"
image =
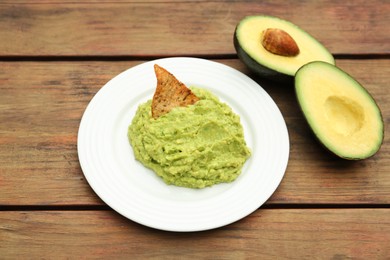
(279, 42)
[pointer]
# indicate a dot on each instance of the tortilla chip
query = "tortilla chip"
(170, 93)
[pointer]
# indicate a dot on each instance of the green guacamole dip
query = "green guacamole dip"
(195, 146)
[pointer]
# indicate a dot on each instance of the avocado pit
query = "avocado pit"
(279, 42)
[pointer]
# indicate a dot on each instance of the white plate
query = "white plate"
(137, 193)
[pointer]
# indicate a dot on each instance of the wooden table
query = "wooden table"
(55, 55)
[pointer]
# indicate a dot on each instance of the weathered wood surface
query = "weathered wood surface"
(57, 28)
(266, 234)
(42, 104)
(56, 55)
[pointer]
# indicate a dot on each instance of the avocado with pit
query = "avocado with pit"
(341, 113)
(275, 48)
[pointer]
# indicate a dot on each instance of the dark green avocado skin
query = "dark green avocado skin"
(257, 68)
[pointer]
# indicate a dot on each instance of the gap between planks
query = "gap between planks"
(153, 57)
(271, 206)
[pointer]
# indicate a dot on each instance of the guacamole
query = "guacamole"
(194, 146)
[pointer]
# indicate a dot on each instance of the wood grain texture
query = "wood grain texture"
(41, 105)
(55, 55)
(186, 28)
(266, 234)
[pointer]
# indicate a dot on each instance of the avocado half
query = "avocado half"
(342, 114)
(249, 45)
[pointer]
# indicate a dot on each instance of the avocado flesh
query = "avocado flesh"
(247, 42)
(342, 114)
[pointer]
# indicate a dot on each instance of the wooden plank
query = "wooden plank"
(92, 1)
(187, 28)
(42, 103)
(266, 234)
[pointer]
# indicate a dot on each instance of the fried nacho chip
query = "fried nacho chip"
(170, 93)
